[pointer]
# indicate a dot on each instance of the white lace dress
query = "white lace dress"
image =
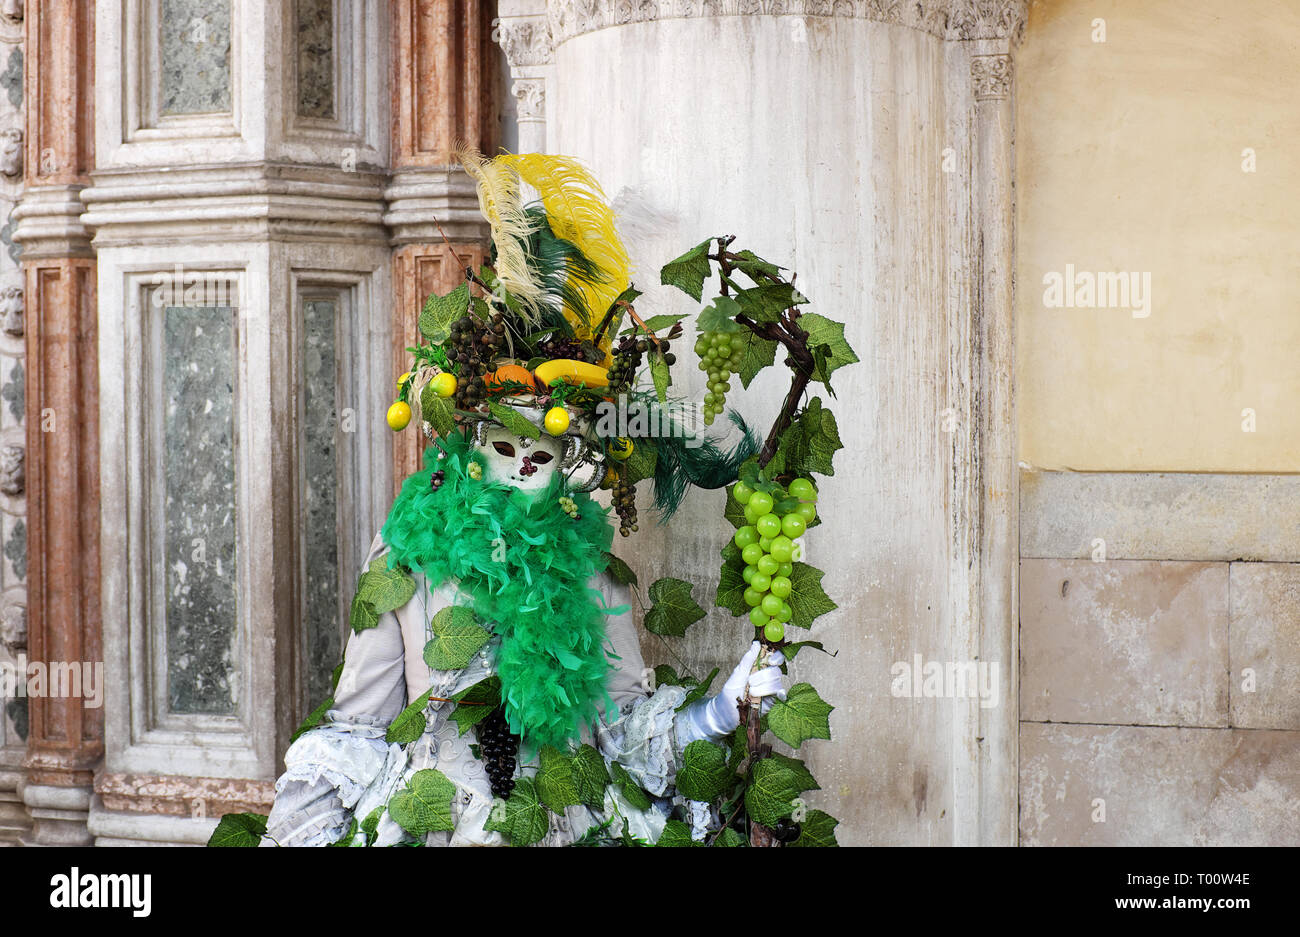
(344, 769)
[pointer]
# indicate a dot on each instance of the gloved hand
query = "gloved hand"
(718, 716)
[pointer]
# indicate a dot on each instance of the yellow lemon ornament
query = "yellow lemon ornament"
(444, 385)
(620, 448)
(556, 421)
(399, 414)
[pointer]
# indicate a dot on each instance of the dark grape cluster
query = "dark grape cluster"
(497, 750)
(623, 497)
(437, 478)
(475, 345)
(786, 830)
(626, 361)
(568, 348)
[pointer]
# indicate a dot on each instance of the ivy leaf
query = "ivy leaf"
(659, 373)
(440, 312)
(523, 820)
(515, 422)
(822, 331)
(475, 703)
(719, 317)
(436, 411)
(363, 615)
(409, 724)
(672, 609)
(699, 690)
(640, 464)
(734, 510)
(632, 792)
(689, 271)
(766, 303)
(456, 639)
(238, 829)
(590, 776)
(759, 353)
(808, 599)
(676, 834)
(772, 790)
(315, 718)
(730, 838)
(753, 266)
(424, 806)
(818, 830)
(802, 715)
(555, 785)
(703, 774)
(385, 589)
(619, 571)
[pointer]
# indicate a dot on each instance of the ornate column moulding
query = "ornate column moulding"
(946, 19)
(991, 76)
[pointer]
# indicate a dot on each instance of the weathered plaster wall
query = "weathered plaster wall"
(1130, 156)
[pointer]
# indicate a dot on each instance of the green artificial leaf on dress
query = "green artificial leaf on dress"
(385, 589)
(676, 834)
(456, 639)
(475, 703)
(632, 792)
(363, 615)
(522, 819)
(410, 723)
(424, 805)
(238, 830)
(703, 773)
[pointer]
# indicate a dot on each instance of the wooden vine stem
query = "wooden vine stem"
(790, 336)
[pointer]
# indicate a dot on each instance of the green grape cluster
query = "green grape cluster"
(766, 544)
(720, 356)
(569, 506)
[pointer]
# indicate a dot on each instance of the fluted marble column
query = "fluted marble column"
(66, 737)
(868, 147)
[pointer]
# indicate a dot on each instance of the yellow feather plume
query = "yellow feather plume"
(578, 213)
(502, 205)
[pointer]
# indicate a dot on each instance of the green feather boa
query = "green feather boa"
(526, 565)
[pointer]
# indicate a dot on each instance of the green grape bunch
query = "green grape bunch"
(720, 357)
(767, 546)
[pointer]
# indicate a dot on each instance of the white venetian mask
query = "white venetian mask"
(523, 463)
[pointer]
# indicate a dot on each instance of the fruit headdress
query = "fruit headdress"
(535, 341)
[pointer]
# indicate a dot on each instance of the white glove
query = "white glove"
(718, 716)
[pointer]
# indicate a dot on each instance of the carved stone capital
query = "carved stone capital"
(530, 93)
(991, 76)
(527, 41)
(13, 470)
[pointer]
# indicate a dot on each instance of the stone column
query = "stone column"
(525, 34)
(444, 90)
(846, 141)
(66, 737)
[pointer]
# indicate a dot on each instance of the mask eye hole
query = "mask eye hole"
(542, 458)
(505, 449)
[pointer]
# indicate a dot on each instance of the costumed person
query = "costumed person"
(493, 690)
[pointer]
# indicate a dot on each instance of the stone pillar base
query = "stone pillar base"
(126, 828)
(14, 819)
(59, 815)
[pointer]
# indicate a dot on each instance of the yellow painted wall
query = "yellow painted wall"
(1129, 158)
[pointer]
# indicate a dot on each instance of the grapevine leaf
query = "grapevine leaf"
(659, 373)
(523, 820)
(436, 411)
(363, 615)
(424, 806)
(409, 724)
(666, 675)
(689, 271)
(703, 773)
(641, 463)
(808, 600)
(632, 792)
(370, 825)
(238, 829)
(619, 571)
(739, 747)
(385, 589)
(822, 331)
(315, 718)
(512, 420)
(615, 310)
(346, 839)
(675, 834)
(802, 715)
(759, 353)
(803, 777)
(699, 690)
(730, 837)
(590, 776)
(456, 638)
(731, 582)
(766, 303)
(556, 787)
(440, 312)
(773, 787)
(808, 444)
(790, 651)
(672, 608)
(734, 511)
(818, 830)
(753, 266)
(655, 323)
(475, 703)
(719, 317)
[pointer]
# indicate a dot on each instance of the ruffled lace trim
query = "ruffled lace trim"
(643, 739)
(349, 757)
